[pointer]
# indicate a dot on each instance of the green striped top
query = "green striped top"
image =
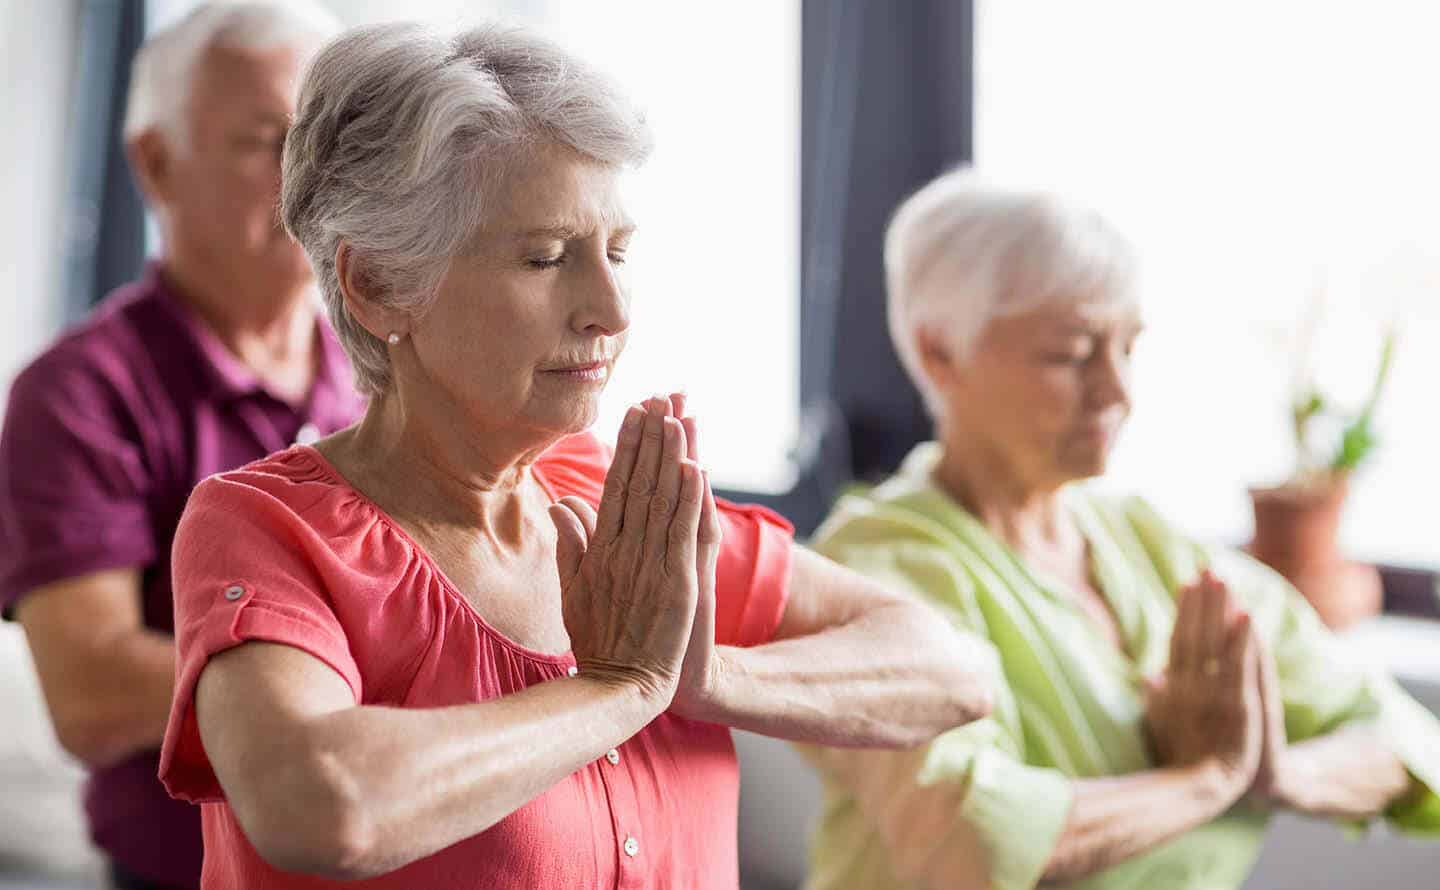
(987, 801)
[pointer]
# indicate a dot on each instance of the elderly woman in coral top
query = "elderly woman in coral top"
(382, 674)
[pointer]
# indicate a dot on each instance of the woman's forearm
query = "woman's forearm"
(1348, 774)
(400, 784)
(892, 677)
(1115, 819)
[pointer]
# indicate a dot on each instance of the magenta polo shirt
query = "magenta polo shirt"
(105, 435)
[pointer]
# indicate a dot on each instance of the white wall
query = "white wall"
(38, 51)
(1257, 154)
(41, 825)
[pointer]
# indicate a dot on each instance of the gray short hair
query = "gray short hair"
(400, 135)
(165, 65)
(961, 252)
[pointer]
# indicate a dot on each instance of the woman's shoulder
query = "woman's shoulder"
(294, 479)
(896, 514)
(287, 496)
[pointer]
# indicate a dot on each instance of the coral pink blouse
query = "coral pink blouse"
(284, 550)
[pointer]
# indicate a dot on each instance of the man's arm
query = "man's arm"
(107, 678)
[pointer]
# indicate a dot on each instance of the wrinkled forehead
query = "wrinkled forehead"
(1101, 314)
(550, 190)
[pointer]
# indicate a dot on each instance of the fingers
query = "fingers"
(1237, 667)
(1183, 644)
(708, 539)
(645, 476)
(692, 438)
(707, 553)
(617, 480)
(680, 555)
(570, 538)
(584, 512)
(667, 492)
(1154, 685)
(679, 404)
(1212, 627)
(1271, 697)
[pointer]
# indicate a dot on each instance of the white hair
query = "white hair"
(961, 252)
(400, 135)
(164, 68)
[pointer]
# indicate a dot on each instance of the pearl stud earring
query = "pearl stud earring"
(393, 339)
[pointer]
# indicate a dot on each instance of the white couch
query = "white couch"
(42, 828)
(779, 797)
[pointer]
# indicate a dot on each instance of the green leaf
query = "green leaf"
(1356, 443)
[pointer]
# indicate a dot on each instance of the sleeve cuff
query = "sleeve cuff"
(770, 588)
(185, 769)
(1413, 734)
(48, 569)
(1020, 811)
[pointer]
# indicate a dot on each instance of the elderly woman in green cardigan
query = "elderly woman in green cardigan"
(1158, 698)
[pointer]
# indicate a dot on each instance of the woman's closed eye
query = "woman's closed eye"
(551, 262)
(616, 258)
(1075, 354)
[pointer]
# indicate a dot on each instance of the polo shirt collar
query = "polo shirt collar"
(225, 376)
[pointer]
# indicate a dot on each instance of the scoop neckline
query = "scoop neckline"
(563, 659)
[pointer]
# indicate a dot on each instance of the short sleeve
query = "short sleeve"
(753, 572)
(968, 799)
(74, 484)
(752, 577)
(245, 568)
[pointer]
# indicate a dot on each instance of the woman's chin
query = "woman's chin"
(573, 415)
(1086, 462)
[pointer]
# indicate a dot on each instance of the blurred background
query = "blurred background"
(1273, 162)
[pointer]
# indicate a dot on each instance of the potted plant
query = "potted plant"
(1297, 523)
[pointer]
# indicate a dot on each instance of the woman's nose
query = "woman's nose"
(1111, 384)
(605, 308)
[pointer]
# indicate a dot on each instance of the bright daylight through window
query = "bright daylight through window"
(1263, 157)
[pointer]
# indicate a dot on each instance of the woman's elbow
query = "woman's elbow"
(964, 669)
(321, 827)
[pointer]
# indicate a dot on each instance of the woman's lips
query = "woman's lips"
(594, 371)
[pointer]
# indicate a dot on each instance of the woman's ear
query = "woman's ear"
(362, 295)
(937, 359)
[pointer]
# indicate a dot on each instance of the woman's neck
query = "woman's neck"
(436, 475)
(1029, 517)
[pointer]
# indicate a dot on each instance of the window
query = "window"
(715, 265)
(1258, 155)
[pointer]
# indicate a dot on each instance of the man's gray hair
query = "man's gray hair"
(401, 136)
(962, 251)
(165, 65)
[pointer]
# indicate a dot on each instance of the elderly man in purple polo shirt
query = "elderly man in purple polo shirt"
(215, 358)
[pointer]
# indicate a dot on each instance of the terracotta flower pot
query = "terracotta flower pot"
(1297, 534)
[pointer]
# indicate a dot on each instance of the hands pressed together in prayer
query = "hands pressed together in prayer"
(1219, 702)
(638, 577)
